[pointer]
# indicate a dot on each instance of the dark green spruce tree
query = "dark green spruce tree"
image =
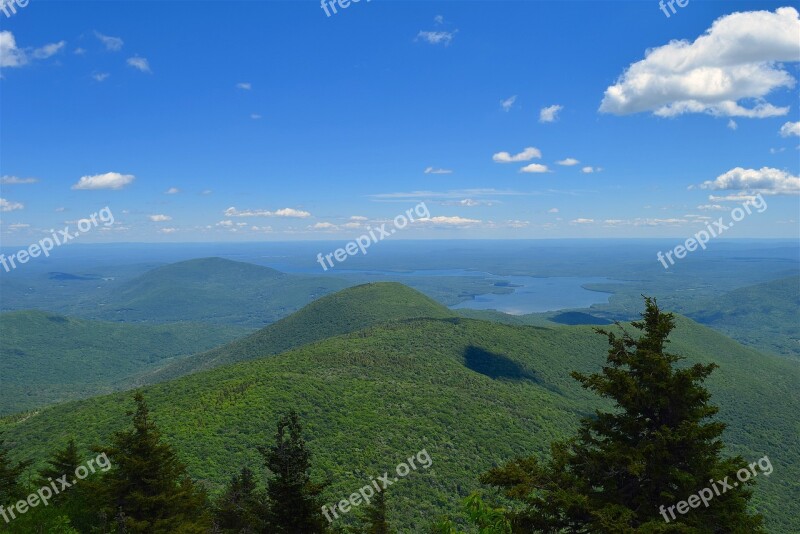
(64, 462)
(11, 489)
(294, 500)
(657, 447)
(241, 509)
(375, 519)
(147, 486)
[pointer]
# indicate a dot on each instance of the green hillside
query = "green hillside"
(348, 310)
(47, 358)
(763, 316)
(472, 393)
(215, 290)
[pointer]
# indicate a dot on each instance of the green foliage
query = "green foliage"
(763, 316)
(241, 508)
(10, 473)
(47, 358)
(375, 517)
(657, 446)
(148, 485)
(294, 500)
(347, 311)
(370, 398)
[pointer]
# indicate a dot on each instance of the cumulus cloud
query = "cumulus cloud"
(449, 221)
(15, 180)
(109, 180)
(590, 170)
(790, 128)
(508, 103)
(7, 205)
(568, 162)
(526, 155)
(441, 37)
(160, 218)
(139, 63)
(113, 44)
(432, 170)
(323, 226)
(739, 58)
(765, 180)
(550, 113)
(172, 191)
(13, 56)
(283, 212)
(535, 168)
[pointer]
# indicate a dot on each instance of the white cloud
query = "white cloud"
(711, 207)
(582, 221)
(12, 56)
(18, 226)
(7, 205)
(732, 124)
(111, 43)
(79, 51)
(172, 191)
(508, 103)
(449, 221)
(255, 116)
(589, 170)
(206, 192)
(358, 218)
(109, 180)
(535, 168)
(432, 170)
(435, 38)
(283, 212)
(438, 19)
(244, 85)
(765, 180)
(740, 57)
(550, 113)
(139, 63)
(526, 155)
(467, 203)
(167, 230)
(323, 226)
(790, 128)
(226, 224)
(552, 210)
(777, 150)
(15, 180)
(100, 76)
(735, 197)
(48, 50)
(159, 218)
(568, 162)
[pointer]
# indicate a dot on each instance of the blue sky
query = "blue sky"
(211, 121)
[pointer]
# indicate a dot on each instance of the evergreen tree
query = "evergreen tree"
(294, 501)
(241, 508)
(148, 486)
(11, 489)
(375, 519)
(656, 448)
(63, 462)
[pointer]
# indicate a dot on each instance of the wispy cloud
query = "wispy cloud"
(568, 162)
(15, 180)
(159, 218)
(113, 44)
(508, 103)
(433, 170)
(283, 212)
(437, 37)
(246, 86)
(7, 205)
(139, 63)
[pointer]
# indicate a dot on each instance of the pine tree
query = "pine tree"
(148, 486)
(241, 508)
(63, 462)
(375, 519)
(656, 448)
(294, 501)
(11, 489)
